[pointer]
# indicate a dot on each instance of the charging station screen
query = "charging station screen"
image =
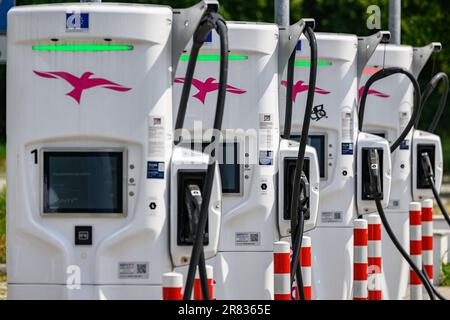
(83, 182)
(318, 143)
(229, 166)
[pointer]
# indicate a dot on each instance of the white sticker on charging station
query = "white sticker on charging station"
(133, 270)
(347, 126)
(156, 136)
(331, 216)
(266, 121)
(247, 238)
(394, 204)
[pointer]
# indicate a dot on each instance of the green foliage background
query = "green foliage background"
(422, 22)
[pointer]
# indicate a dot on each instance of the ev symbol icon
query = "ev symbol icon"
(77, 21)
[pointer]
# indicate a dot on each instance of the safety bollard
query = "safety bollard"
(305, 258)
(374, 259)
(360, 260)
(172, 286)
(427, 237)
(282, 270)
(198, 295)
(415, 249)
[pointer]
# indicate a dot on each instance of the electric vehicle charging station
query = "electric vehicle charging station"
(425, 142)
(89, 147)
(288, 149)
(388, 111)
(334, 134)
(248, 154)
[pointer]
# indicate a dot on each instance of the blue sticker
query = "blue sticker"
(299, 45)
(404, 145)
(266, 158)
(347, 148)
(77, 21)
(209, 37)
(155, 170)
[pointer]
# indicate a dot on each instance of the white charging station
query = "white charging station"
(248, 166)
(89, 146)
(389, 107)
(249, 154)
(334, 135)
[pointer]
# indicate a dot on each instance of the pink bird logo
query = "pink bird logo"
(208, 86)
(82, 83)
(300, 86)
(373, 92)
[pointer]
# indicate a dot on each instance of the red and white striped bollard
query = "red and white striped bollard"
(282, 270)
(198, 295)
(172, 286)
(427, 237)
(360, 260)
(305, 255)
(415, 249)
(374, 259)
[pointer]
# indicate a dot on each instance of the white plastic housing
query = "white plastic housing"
(187, 159)
(388, 109)
(429, 139)
(337, 93)
(249, 213)
(41, 115)
(289, 149)
(251, 120)
(365, 141)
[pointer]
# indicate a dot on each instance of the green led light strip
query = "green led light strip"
(83, 47)
(308, 63)
(214, 57)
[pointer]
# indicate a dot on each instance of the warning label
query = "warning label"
(133, 270)
(248, 238)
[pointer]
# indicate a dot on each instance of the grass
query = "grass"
(445, 274)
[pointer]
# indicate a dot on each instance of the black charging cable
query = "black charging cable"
(376, 193)
(210, 20)
(193, 199)
(431, 86)
(429, 176)
(296, 211)
(384, 73)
